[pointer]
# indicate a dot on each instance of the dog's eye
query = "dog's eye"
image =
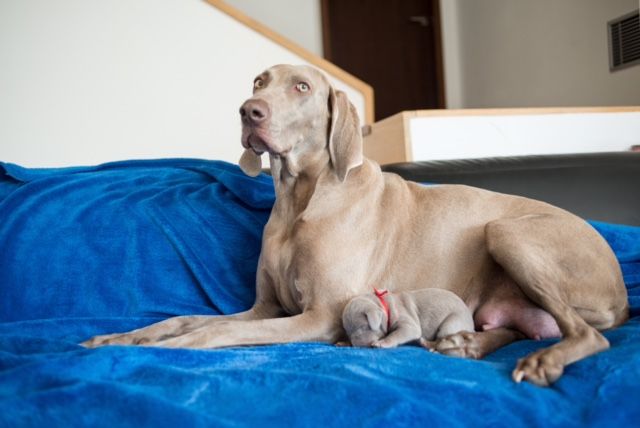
(302, 87)
(258, 83)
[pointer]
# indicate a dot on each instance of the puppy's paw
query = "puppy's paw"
(429, 345)
(382, 343)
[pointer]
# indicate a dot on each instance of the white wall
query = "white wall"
(90, 81)
(298, 20)
(439, 137)
(505, 53)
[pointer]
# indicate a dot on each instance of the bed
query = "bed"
(108, 248)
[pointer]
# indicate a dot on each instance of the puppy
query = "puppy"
(385, 320)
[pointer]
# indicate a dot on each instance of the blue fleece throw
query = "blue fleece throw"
(86, 251)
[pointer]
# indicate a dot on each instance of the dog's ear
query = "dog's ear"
(250, 163)
(345, 137)
(374, 317)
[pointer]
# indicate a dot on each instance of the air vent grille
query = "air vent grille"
(624, 41)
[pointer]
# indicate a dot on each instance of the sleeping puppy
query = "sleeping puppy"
(385, 320)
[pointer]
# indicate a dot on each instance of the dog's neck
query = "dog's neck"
(297, 182)
(296, 176)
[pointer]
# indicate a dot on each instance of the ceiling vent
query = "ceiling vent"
(624, 41)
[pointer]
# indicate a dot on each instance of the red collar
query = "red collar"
(380, 295)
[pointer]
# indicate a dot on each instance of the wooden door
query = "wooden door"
(392, 45)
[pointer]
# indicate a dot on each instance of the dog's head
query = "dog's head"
(297, 115)
(364, 321)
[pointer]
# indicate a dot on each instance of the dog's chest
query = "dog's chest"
(278, 253)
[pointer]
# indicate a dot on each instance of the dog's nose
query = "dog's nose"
(255, 111)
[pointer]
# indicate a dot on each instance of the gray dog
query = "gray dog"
(385, 320)
(339, 224)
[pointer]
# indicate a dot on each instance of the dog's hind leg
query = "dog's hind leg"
(561, 264)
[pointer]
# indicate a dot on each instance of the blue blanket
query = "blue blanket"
(87, 251)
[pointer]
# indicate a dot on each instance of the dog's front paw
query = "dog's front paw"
(114, 339)
(383, 343)
(541, 368)
(97, 341)
(463, 344)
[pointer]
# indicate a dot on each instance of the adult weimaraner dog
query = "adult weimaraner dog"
(340, 226)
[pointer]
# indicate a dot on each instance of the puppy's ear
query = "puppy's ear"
(250, 163)
(374, 317)
(345, 137)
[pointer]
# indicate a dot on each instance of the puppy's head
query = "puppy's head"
(364, 321)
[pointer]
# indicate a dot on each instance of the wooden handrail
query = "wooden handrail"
(321, 63)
